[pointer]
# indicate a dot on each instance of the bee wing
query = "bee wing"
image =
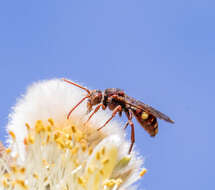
(148, 109)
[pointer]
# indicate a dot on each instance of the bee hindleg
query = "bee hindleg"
(126, 125)
(132, 136)
(129, 115)
(115, 111)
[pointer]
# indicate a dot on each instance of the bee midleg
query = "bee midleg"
(129, 115)
(115, 111)
(95, 110)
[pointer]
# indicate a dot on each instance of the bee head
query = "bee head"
(94, 99)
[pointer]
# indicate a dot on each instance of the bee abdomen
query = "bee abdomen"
(147, 121)
(151, 125)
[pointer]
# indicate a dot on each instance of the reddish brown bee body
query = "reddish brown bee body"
(117, 101)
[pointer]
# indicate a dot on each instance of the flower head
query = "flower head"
(47, 151)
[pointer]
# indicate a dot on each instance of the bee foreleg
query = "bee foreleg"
(95, 110)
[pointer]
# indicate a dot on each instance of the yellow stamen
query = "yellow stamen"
(5, 183)
(50, 120)
(101, 172)
(75, 150)
(14, 169)
(8, 150)
(56, 135)
(60, 142)
(103, 151)
(81, 181)
(90, 170)
(21, 183)
(105, 161)
(31, 139)
(76, 163)
(12, 134)
(143, 172)
(83, 147)
(48, 128)
(25, 141)
(45, 163)
(98, 156)
(90, 150)
(22, 170)
(48, 138)
(73, 129)
(39, 126)
(35, 176)
(112, 182)
(45, 179)
(27, 126)
(7, 175)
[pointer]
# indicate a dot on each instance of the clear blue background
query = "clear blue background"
(161, 52)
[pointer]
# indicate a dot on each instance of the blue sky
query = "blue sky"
(160, 52)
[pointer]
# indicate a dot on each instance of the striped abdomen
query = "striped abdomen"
(147, 121)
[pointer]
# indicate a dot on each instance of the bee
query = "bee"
(118, 101)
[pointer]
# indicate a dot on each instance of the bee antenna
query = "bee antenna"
(70, 82)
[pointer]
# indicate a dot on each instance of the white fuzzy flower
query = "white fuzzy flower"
(48, 152)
